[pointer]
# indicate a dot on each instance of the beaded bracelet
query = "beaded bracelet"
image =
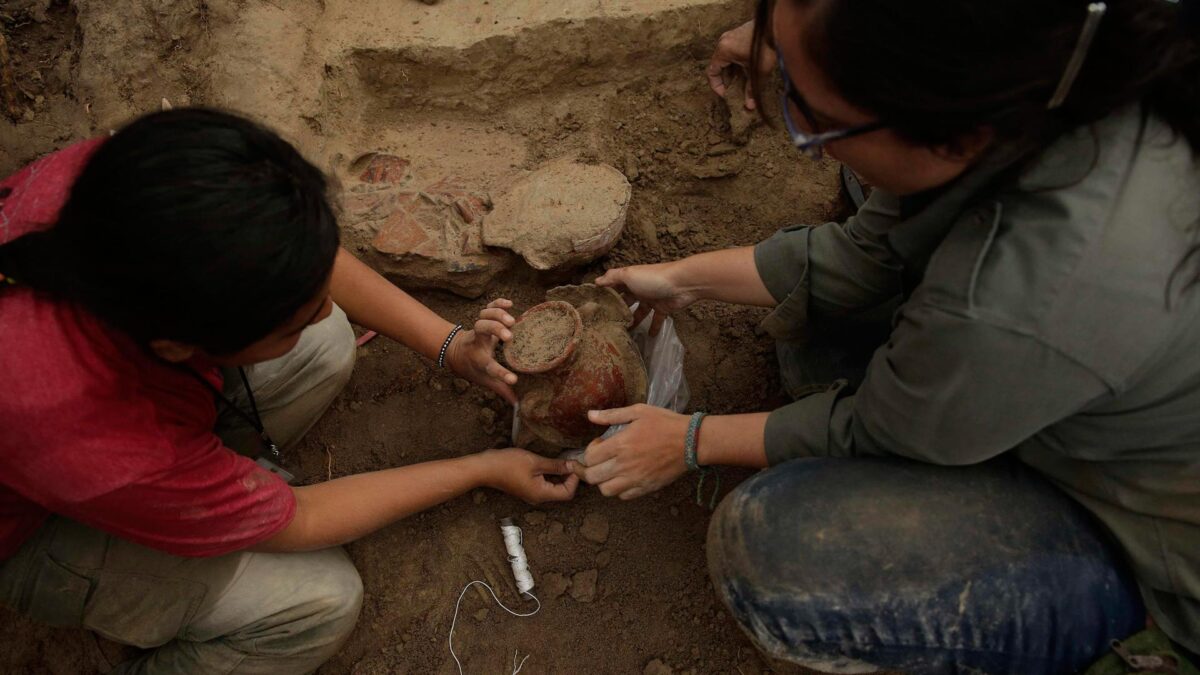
(689, 458)
(441, 359)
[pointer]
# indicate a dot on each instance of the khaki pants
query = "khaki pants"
(238, 613)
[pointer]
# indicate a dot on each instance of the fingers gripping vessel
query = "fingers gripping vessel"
(575, 354)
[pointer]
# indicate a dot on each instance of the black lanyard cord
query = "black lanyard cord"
(254, 420)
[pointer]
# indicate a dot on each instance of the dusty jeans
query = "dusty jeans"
(854, 565)
(238, 613)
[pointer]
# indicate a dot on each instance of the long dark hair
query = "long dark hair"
(937, 70)
(190, 225)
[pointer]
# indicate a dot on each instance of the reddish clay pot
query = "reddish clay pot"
(596, 368)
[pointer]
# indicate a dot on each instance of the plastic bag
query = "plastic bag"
(663, 354)
(667, 385)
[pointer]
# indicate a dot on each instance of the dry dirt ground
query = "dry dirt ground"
(479, 90)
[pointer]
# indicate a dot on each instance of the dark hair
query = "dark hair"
(190, 225)
(936, 70)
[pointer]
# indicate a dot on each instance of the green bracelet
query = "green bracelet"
(689, 458)
(689, 442)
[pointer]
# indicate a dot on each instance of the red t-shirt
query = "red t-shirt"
(95, 428)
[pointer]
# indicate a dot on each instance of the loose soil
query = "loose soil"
(620, 87)
(540, 337)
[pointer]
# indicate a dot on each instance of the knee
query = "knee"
(336, 350)
(337, 599)
(325, 609)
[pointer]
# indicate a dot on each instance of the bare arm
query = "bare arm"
(733, 440)
(729, 275)
(378, 304)
(375, 303)
(342, 510)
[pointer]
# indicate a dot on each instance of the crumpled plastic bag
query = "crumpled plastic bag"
(663, 354)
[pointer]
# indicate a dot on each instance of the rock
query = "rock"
(594, 528)
(583, 585)
(657, 667)
(564, 214)
(481, 614)
(554, 584)
(479, 497)
(602, 559)
(535, 517)
(421, 236)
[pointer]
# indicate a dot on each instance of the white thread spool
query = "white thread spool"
(513, 543)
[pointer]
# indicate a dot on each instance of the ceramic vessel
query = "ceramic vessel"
(596, 367)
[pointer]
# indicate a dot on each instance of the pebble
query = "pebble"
(479, 497)
(554, 584)
(487, 416)
(602, 559)
(583, 585)
(481, 614)
(595, 528)
(657, 667)
(535, 518)
(674, 510)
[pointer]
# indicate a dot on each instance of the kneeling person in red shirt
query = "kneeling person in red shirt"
(172, 297)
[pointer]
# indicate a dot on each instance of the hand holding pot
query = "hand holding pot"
(644, 457)
(654, 287)
(472, 354)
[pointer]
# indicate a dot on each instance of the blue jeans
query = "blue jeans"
(849, 565)
(919, 568)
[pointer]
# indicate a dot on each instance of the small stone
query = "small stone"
(479, 497)
(595, 528)
(675, 510)
(481, 614)
(487, 417)
(583, 585)
(355, 405)
(461, 385)
(657, 667)
(602, 559)
(535, 518)
(554, 584)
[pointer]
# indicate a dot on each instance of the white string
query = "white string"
(454, 622)
(514, 543)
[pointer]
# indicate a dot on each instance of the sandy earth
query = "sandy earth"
(480, 90)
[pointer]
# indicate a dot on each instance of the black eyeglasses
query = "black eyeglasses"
(812, 144)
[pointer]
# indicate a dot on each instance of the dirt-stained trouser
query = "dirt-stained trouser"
(243, 613)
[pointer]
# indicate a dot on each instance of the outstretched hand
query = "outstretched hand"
(733, 50)
(524, 475)
(472, 354)
(653, 287)
(644, 457)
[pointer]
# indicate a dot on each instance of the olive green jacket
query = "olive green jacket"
(1041, 315)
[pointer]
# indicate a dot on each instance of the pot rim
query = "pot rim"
(549, 306)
